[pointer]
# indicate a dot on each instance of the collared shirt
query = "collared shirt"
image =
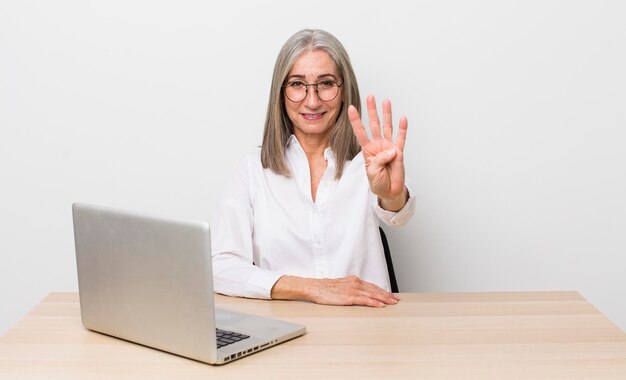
(267, 225)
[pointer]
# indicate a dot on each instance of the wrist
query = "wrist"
(290, 288)
(394, 204)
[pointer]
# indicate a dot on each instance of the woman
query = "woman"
(300, 218)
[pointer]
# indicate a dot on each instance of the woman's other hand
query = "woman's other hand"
(349, 290)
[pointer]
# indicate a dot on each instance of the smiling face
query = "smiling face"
(313, 117)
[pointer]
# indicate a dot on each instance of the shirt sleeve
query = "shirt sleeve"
(234, 273)
(397, 218)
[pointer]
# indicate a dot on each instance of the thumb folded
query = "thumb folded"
(384, 157)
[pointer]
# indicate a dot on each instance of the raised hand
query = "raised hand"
(384, 159)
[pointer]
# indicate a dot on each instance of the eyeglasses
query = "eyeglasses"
(326, 90)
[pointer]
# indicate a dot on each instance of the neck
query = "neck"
(313, 145)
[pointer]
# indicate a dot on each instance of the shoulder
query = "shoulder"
(243, 175)
(251, 160)
(245, 167)
(253, 155)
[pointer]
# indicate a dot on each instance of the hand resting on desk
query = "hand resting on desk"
(349, 290)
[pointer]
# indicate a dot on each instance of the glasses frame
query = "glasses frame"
(306, 90)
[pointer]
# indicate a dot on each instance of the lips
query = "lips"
(312, 116)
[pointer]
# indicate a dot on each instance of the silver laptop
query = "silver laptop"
(148, 280)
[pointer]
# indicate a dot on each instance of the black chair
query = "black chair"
(392, 274)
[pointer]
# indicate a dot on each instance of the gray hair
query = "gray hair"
(278, 126)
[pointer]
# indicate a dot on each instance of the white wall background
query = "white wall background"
(516, 147)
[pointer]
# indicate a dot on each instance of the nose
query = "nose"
(312, 100)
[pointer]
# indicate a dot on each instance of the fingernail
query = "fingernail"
(391, 152)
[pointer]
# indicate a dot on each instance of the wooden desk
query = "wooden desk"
(428, 336)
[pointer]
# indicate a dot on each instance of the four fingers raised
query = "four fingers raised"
(375, 127)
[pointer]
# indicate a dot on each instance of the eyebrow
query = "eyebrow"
(300, 76)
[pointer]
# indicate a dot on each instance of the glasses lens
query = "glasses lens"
(295, 91)
(327, 90)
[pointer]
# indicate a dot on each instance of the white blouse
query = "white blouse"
(267, 225)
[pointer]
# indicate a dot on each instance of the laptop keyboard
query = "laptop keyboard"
(224, 337)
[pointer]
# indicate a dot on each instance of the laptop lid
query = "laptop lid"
(148, 279)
